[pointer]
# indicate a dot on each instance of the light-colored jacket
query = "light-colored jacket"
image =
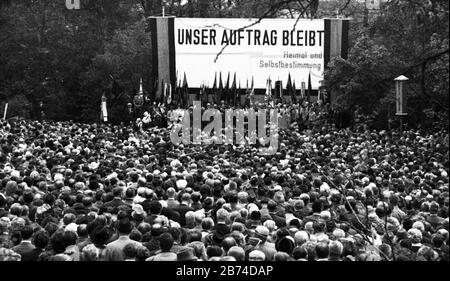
(114, 250)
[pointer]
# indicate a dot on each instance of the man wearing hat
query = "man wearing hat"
(268, 248)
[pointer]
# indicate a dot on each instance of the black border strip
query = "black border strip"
(344, 39)
(154, 39)
(220, 270)
(327, 43)
(172, 61)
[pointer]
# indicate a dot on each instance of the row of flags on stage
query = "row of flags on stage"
(231, 94)
(290, 89)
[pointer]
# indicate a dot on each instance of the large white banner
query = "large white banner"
(270, 48)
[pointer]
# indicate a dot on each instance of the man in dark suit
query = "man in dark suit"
(184, 207)
(317, 208)
(117, 201)
(153, 208)
(25, 248)
(147, 203)
(40, 241)
(279, 221)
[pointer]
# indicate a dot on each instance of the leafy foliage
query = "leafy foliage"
(409, 38)
(66, 58)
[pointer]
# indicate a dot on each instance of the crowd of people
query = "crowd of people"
(307, 115)
(99, 192)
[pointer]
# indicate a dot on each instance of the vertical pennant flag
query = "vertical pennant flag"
(294, 93)
(239, 93)
(214, 89)
(220, 92)
(278, 91)
(272, 101)
(252, 88)
(116, 90)
(185, 91)
(204, 95)
(233, 90)
(198, 95)
(201, 93)
(281, 91)
(163, 92)
(208, 92)
(309, 87)
(289, 89)
(246, 86)
(247, 94)
(175, 85)
(174, 94)
(268, 90)
(179, 95)
(202, 86)
(227, 90)
(270, 87)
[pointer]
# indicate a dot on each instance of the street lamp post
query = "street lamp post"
(400, 99)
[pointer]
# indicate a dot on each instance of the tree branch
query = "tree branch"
(364, 235)
(6, 38)
(345, 6)
(301, 14)
(268, 12)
